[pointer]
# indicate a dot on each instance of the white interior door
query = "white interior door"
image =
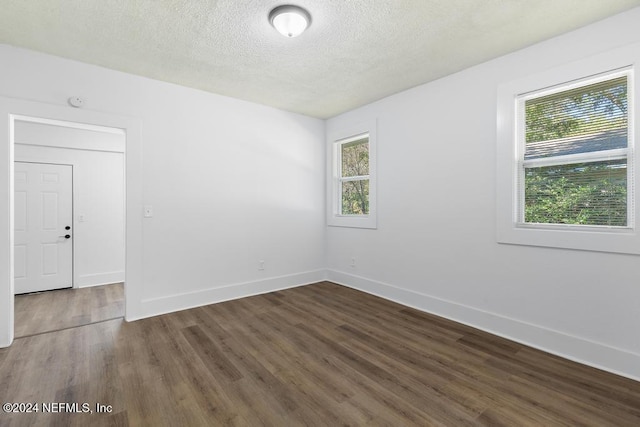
(43, 235)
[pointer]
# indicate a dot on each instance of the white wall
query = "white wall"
(98, 194)
(230, 182)
(435, 247)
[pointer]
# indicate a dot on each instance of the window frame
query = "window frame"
(511, 228)
(335, 141)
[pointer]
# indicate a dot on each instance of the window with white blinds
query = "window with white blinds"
(574, 164)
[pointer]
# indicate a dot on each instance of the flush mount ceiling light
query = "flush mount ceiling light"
(289, 20)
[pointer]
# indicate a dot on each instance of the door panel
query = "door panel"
(43, 199)
(20, 209)
(20, 261)
(49, 259)
(49, 211)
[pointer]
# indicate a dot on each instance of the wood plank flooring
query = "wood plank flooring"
(318, 355)
(66, 308)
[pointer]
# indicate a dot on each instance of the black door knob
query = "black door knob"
(67, 236)
(67, 228)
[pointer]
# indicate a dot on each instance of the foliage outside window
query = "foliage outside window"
(354, 176)
(574, 155)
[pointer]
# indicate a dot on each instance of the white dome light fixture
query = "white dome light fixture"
(289, 20)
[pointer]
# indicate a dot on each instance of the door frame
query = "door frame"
(73, 248)
(12, 109)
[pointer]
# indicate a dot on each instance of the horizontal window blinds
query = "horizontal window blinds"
(584, 193)
(584, 119)
(575, 156)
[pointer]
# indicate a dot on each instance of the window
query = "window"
(354, 175)
(573, 161)
(352, 186)
(566, 156)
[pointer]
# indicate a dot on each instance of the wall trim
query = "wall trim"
(99, 279)
(184, 301)
(587, 352)
(69, 135)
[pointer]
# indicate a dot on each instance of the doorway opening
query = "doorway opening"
(14, 139)
(69, 225)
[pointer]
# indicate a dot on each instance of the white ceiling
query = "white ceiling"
(355, 52)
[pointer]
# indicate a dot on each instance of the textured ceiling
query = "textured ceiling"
(355, 52)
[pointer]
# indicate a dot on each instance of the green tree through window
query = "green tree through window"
(588, 124)
(355, 177)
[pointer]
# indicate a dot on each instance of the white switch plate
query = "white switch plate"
(148, 211)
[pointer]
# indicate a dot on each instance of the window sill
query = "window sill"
(618, 240)
(368, 221)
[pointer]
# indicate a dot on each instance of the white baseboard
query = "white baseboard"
(99, 279)
(598, 355)
(176, 302)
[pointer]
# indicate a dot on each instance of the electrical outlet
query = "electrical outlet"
(353, 262)
(261, 265)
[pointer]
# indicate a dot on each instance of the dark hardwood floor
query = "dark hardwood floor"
(66, 308)
(320, 355)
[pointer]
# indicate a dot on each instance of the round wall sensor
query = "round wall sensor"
(76, 101)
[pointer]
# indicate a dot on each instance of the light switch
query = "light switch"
(148, 211)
